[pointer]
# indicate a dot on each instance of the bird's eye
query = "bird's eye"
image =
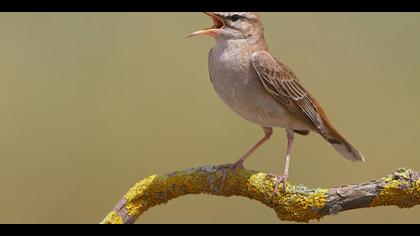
(234, 17)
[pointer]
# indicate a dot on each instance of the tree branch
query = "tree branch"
(297, 203)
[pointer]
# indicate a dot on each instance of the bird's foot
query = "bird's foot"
(230, 167)
(279, 179)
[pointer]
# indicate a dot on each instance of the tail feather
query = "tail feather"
(334, 137)
(346, 149)
(340, 143)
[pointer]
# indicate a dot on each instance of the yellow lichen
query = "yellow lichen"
(400, 191)
(113, 218)
(259, 182)
(135, 194)
(300, 206)
(295, 203)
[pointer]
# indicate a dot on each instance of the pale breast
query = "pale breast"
(238, 85)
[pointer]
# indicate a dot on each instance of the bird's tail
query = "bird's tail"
(340, 143)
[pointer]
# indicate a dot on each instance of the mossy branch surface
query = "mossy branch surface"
(296, 203)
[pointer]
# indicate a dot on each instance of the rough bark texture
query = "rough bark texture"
(297, 203)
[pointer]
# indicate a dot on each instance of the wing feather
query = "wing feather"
(283, 85)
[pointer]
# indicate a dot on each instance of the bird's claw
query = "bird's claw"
(279, 179)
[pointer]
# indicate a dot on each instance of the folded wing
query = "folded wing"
(281, 82)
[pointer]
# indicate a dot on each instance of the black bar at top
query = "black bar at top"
(210, 5)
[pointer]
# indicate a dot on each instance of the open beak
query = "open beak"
(218, 24)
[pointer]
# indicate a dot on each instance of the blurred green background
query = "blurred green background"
(90, 103)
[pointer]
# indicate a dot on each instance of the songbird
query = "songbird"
(262, 89)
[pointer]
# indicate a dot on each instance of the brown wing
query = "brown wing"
(281, 82)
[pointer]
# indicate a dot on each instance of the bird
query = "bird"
(262, 89)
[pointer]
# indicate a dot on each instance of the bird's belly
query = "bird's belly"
(249, 99)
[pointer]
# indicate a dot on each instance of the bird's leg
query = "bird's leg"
(239, 164)
(283, 178)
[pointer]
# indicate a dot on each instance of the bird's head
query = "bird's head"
(233, 25)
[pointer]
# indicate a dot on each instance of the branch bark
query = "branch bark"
(297, 203)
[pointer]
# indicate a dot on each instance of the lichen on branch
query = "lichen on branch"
(296, 203)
